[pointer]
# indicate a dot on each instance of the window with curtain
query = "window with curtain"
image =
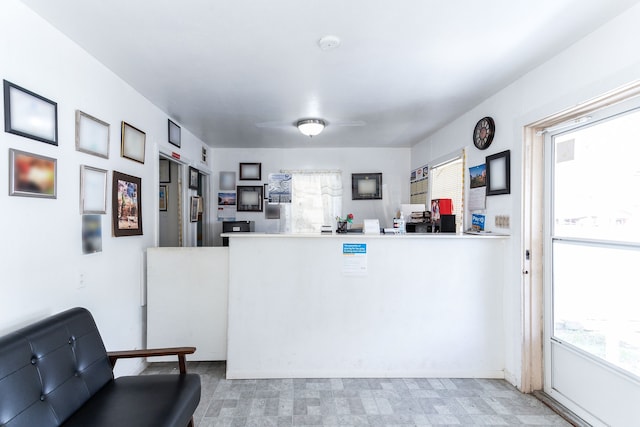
(316, 200)
(447, 182)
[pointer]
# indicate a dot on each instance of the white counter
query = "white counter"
(422, 306)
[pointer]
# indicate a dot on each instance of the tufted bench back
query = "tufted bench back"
(50, 368)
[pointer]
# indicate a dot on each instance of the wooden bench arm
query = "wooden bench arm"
(181, 352)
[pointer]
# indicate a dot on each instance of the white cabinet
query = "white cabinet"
(187, 300)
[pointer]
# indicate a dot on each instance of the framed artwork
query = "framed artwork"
(227, 181)
(92, 135)
(127, 205)
(251, 171)
(249, 198)
(29, 114)
(164, 197)
(32, 175)
(193, 178)
(133, 142)
(366, 186)
(175, 134)
(272, 211)
(195, 204)
(93, 190)
(165, 170)
(91, 234)
(498, 173)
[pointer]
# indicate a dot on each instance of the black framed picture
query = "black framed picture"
(193, 178)
(249, 198)
(175, 134)
(165, 170)
(30, 115)
(126, 205)
(251, 171)
(499, 173)
(366, 186)
(133, 142)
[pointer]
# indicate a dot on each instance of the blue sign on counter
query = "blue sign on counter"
(354, 248)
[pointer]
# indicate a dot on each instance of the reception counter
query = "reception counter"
(315, 306)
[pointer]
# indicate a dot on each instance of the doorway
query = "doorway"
(170, 203)
(582, 243)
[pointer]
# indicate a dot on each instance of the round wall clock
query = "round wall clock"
(483, 133)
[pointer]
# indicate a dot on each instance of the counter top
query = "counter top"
(351, 236)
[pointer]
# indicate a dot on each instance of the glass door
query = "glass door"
(592, 279)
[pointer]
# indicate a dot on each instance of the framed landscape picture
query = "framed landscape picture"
(133, 143)
(32, 175)
(30, 115)
(92, 135)
(127, 205)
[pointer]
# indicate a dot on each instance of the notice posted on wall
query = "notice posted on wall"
(354, 259)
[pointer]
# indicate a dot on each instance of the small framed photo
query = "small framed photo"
(163, 197)
(366, 186)
(251, 171)
(195, 205)
(174, 134)
(32, 175)
(498, 173)
(93, 190)
(127, 205)
(92, 135)
(29, 114)
(227, 181)
(249, 198)
(165, 170)
(133, 143)
(193, 178)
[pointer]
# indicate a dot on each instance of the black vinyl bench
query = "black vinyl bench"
(56, 372)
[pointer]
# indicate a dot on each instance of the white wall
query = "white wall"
(604, 60)
(40, 255)
(392, 162)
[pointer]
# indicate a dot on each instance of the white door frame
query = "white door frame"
(533, 226)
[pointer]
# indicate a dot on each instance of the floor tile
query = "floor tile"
(347, 402)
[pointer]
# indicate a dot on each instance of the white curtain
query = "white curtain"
(316, 200)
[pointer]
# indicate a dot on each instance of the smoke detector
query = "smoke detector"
(329, 42)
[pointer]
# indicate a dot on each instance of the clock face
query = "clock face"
(483, 133)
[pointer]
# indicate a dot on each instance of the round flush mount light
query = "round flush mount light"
(311, 127)
(329, 42)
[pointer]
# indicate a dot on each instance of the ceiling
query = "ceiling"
(240, 73)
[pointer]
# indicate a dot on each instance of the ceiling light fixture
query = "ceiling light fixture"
(311, 127)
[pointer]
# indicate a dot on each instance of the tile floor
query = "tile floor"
(360, 402)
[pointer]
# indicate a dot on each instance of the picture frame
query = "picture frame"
(126, 205)
(174, 133)
(498, 168)
(250, 171)
(32, 175)
(92, 135)
(193, 178)
(163, 197)
(195, 203)
(164, 167)
(93, 190)
(30, 115)
(132, 143)
(227, 181)
(366, 186)
(249, 198)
